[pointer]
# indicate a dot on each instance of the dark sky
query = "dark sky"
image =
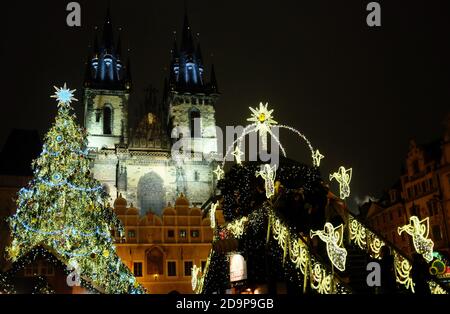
(359, 94)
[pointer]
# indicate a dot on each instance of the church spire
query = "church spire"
(187, 41)
(108, 34)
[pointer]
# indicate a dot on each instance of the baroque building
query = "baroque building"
(423, 190)
(161, 250)
(137, 161)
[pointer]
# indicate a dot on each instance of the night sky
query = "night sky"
(359, 94)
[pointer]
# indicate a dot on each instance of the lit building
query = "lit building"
(424, 191)
(161, 250)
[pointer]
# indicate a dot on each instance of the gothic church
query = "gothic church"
(136, 162)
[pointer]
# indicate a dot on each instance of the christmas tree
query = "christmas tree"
(65, 210)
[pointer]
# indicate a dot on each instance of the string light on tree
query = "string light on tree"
(66, 210)
(343, 177)
(333, 237)
(419, 230)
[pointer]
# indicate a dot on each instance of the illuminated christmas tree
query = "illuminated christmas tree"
(66, 211)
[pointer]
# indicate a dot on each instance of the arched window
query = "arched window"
(195, 123)
(155, 262)
(107, 120)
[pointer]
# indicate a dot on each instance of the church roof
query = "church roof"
(182, 201)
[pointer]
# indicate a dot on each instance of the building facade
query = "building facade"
(423, 190)
(161, 250)
(168, 151)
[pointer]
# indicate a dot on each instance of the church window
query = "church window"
(196, 176)
(183, 234)
(155, 263)
(195, 123)
(107, 120)
(170, 234)
(137, 269)
(195, 234)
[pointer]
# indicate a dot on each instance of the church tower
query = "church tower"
(106, 93)
(191, 98)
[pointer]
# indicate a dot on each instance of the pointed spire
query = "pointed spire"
(213, 82)
(187, 44)
(108, 34)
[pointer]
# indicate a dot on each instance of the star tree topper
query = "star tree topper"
(262, 120)
(64, 95)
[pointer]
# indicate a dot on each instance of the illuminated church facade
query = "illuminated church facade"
(136, 162)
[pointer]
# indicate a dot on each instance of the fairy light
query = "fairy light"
(212, 214)
(237, 227)
(238, 155)
(419, 231)
(219, 173)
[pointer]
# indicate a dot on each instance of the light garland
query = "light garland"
(320, 280)
(333, 237)
(343, 177)
(435, 288)
(237, 227)
(212, 214)
(195, 277)
(419, 230)
(358, 233)
(403, 271)
(268, 174)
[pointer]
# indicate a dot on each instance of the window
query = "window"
(170, 234)
(131, 234)
(107, 120)
(399, 213)
(137, 269)
(437, 235)
(410, 195)
(183, 234)
(424, 188)
(155, 262)
(188, 268)
(196, 176)
(172, 269)
(195, 123)
(391, 217)
(203, 266)
(431, 184)
(195, 234)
